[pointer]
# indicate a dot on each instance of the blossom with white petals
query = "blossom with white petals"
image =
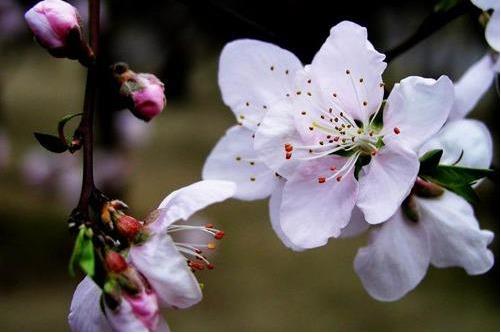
(165, 267)
(447, 233)
(492, 28)
(327, 123)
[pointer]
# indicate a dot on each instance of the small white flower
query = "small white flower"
(446, 235)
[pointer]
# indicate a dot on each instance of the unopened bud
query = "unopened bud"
(427, 189)
(128, 226)
(57, 27)
(115, 262)
(144, 92)
(410, 208)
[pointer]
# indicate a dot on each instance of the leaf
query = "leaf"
(457, 179)
(83, 253)
(51, 143)
(429, 161)
(445, 5)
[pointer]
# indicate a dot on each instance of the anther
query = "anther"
(321, 180)
(288, 147)
(396, 130)
(219, 235)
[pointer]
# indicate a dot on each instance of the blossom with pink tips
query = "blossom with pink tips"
(149, 99)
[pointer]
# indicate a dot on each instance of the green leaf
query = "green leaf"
(457, 179)
(429, 161)
(445, 5)
(51, 143)
(83, 253)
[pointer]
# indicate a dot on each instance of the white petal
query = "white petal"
(492, 30)
(313, 212)
(123, 319)
(473, 84)
(466, 142)
(486, 4)
(454, 233)
(167, 272)
(345, 58)
(274, 207)
(395, 260)
(386, 182)
(253, 75)
(184, 202)
(85, 310)
(418, 107)
(234, 159)
(356, 226)
(277, 129)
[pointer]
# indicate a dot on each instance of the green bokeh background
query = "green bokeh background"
(258, 283)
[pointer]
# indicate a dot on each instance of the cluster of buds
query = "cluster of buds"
(143, 93)
(57, 27)
(127, 227)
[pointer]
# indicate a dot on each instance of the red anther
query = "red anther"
(333, 168)
(219, 235)
(336, 138)
(209, 225)
(373, 153)
(115, 262)
(196, 265)
(321, 180)
(396, 130)
(338, 179)
(288, 148)
(288, 155)
(210, 266)
(198, 251)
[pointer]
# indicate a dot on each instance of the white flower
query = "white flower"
(317, 133)
(447, 233)
(492, 29)
(165, 265)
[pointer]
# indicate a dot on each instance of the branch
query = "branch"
(85, 129)
(429, 26)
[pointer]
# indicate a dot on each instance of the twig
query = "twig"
(85, 129)
(430, 25)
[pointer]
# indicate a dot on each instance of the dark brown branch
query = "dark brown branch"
(430, 25)
(86, 127)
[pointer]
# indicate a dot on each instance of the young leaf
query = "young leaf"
(83, 253)
(429, 161)
(51, 143)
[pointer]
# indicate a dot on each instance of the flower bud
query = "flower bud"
(144, 92)
(128, 226)
(56, 26)
(115, 262)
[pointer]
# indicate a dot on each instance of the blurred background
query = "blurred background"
(258, 284)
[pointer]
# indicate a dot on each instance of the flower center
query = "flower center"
(194, 251)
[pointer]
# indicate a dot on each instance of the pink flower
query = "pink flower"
(149, 99)
(138, 312)
(56, 26)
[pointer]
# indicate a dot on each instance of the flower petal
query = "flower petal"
(395, 260)
(184, 202)
(313, 212)
(167, 272)
(274, 207)
(386, 182)
(455, 236)
(466, 142)
(348, 66)
(486, 4)
(473, 85)
(276, 130)
(234, 159)
(253, 75)
(418, 107)
(356, 226)
(492, 30)
(85, 310)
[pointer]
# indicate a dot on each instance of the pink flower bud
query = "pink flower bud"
(115, 262)
(56, 26)
(128, 226)
(149, 99)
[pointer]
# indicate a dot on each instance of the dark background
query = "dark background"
(258, 283)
